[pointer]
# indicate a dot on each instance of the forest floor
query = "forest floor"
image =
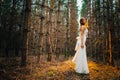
(56, 70)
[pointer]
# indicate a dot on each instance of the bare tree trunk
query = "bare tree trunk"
(119, 4)
(0, 3)
(42, 17)
(110, 48)
(58, 31)
(49, 41)
(67, 32)
(73, 26)
(47, 30)
(26, 26)
(110, 23)
(0, 10)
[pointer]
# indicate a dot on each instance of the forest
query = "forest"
(38, 38)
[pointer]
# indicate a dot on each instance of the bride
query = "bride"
(80, 58)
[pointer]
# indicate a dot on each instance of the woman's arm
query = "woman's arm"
(82, 29)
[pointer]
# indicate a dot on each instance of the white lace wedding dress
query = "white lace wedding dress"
(80, 58)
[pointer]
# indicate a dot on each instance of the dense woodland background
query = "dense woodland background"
(50, 27)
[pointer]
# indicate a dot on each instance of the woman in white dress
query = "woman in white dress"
(80, 58)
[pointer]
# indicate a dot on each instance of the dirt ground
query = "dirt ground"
(62, 69)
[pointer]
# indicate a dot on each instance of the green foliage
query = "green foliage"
(84, 8)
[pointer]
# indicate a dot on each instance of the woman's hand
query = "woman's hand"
(82, 46)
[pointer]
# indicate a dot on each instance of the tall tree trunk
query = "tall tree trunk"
(119, 4)
(26, 26)
(14, 13)
(42, 17)
(0, 11)
(110, 23)
(73, 26)
(67, 31)
(119, 8)
(58, 30)
(49, 41)
(47, 30)
(110, 48)
(0, 3)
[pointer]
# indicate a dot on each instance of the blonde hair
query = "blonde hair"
(86, 24)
